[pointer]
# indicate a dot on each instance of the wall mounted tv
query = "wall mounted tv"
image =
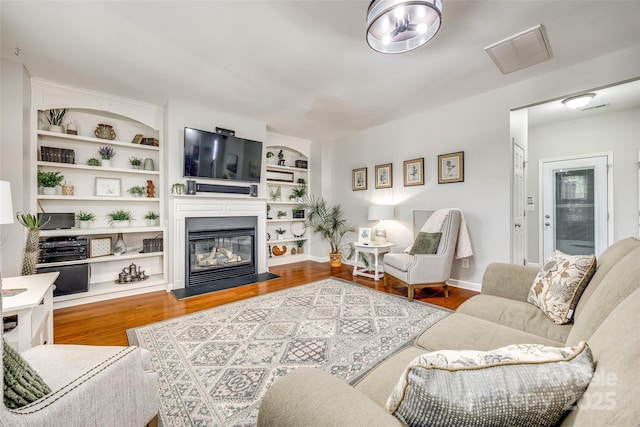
(217, 156)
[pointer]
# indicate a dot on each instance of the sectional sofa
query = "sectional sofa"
(607, 318)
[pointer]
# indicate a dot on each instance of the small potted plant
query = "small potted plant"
(106, 154)
(268, 210)
(119, 218)
(298, 193)
(93, 162)
(55, 118)
(49, 181)
(300, 246)
(137, 190)
(281, 214)
(152, 218)
(84, 218)
(280, 232)
(276, 194)
(135, 162)
(271, 159)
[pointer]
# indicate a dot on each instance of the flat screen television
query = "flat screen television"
(217, 156)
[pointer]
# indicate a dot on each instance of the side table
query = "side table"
(375, 252)
(34, 308)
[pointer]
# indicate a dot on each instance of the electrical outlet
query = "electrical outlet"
(465, 262)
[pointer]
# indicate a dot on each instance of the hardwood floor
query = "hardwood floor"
(105, 323)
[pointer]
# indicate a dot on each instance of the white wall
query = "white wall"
(617, 132)
(15, 101)
(480, 127)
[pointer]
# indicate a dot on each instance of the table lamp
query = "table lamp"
(380, 213)
(6, 208)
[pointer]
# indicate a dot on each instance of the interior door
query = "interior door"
(518, 200)
(575, 206)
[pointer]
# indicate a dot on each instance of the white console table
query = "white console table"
(34, 308)
(375, 251)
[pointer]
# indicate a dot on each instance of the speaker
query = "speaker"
(57, 221)
(253, 190)
(213, 188)
(191, 187)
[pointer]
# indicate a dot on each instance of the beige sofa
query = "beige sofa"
(607, 318)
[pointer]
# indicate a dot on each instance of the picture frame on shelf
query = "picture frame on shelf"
(281, 176)
(108, 187)
(364, 235)
(359, 179)
(451, 167)
(413, 172)
(137, 139)
(99, 246)
(384, 176)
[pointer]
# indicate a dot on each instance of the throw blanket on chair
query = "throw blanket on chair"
(434, 225)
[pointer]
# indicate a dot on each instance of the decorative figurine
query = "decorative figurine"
(280, 158)
(151, 189)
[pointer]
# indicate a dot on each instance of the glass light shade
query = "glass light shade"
(578, 101)
(380, 213)
(6, 207)
(397, 26)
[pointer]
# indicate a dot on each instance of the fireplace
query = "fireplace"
(219, 248)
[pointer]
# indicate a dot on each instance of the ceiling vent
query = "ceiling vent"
(520, 51)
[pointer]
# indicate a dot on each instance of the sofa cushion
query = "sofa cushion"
(519, 315)
(559, 284)
(425, 243)
(22, 384)
(518, 385)
(459, 331)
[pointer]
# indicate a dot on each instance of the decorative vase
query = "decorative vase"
(335, 259)
(293, 251)
(120, 224)
(84, 224)
(49, 191)
(300, 250)
(105, 163)
(104, 131)
(153, 222)
(67, 189)
(55, 128)
(148, 165)
(119, 247)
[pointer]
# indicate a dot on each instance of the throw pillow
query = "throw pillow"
(22, 385)
(560, 283)
(518, 385)
(425, 243)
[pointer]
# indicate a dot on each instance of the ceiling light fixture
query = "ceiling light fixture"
(397, 26)
(578, 101)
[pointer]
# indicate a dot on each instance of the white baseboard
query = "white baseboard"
(465, 285)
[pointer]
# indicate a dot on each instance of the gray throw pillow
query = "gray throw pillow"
(425, 243)
(22, 385)
(519, 385)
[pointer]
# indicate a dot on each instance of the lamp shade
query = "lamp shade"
(6, 208)
(380, 212)
(397, 26)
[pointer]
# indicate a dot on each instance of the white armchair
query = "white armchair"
(91, 386)
(421, 271)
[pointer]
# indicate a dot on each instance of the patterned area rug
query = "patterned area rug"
(215, 365)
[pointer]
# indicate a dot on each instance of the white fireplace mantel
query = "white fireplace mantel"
(199, 206)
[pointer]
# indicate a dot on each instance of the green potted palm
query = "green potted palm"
(33, 224)
(84, 218)
(137, 190)
(119, 218)
(49, 181)
(152, 218)
(55, 118)
(329, 223)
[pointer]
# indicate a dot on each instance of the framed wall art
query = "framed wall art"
(359, 179)
(99, 246)
(364, 235)
(107, 187)
(413, 172)
(384, 176)
(451, 167)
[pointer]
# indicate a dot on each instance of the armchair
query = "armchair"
(91, 386)
(421, 271)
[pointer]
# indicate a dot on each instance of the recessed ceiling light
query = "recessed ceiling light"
(578, 101)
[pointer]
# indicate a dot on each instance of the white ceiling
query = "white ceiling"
(303, 67)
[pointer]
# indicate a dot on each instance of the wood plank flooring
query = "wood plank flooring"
(105, 323)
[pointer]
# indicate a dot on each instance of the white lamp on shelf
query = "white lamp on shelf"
(380, 213)
(6, 208)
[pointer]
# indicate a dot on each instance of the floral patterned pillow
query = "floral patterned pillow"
(517, 385)
(560, 283)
